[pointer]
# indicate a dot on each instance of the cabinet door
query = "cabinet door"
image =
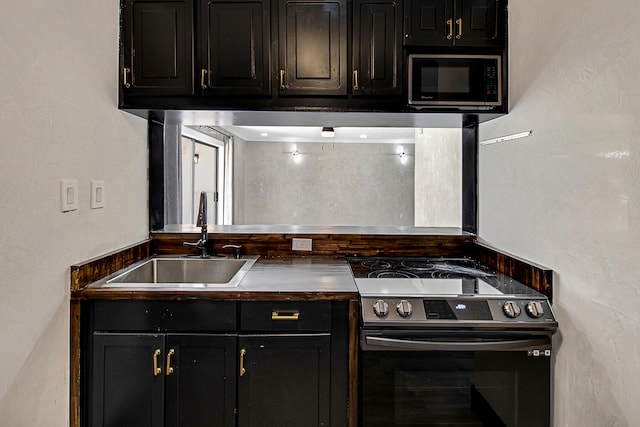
(286, 380)
(200, 380)
(234, 46)
(157, 47)
(377, 32)
(312, 47)
(428, 23)
(479, 23)
(127, 390)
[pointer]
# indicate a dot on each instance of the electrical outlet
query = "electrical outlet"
(301, 244)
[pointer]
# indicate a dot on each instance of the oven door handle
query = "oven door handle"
(430, 345)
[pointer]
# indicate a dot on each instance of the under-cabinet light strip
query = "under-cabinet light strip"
(506, 138)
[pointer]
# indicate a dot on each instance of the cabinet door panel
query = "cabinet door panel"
(480, 23)
(377, 28)
(235, 46)
(157, 44)
(286, 382)
(125, 391)
(312, 43)
(426, 22)
(200, 391)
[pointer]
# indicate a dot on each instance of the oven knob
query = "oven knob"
(404, 308)
(511, 309)
(535, 309)
(381, 308)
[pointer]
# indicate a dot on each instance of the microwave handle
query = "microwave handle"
(430, 345)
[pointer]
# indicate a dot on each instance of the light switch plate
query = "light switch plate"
(97, 194)
(68, 195)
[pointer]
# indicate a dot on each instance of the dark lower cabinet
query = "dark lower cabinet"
(126, 391)
(163, 380)
(284, 380)
(199, 363)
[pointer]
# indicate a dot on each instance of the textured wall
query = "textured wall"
(327, 184)
(569, 195)
(59, 119)
(438, 192)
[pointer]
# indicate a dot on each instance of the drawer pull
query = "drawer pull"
(285, 315)
(156, 370)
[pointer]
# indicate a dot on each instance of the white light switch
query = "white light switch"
(97, 194)
(68, 195)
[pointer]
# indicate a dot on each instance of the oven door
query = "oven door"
(456, 378)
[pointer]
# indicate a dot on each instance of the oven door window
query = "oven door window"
(447, 389)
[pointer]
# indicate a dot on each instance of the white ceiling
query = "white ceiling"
(392, 135)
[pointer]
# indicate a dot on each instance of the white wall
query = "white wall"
(568, 196)
(59, 119)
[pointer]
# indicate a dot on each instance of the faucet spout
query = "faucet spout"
(202, 223)
(202, 210)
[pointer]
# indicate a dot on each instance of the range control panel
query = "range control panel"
(396, 310)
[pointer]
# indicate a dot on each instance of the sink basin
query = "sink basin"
(182, 272)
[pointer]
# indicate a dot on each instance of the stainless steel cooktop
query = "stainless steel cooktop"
(445, 292)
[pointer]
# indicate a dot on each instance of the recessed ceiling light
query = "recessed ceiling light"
(264, 134)
(363, 135)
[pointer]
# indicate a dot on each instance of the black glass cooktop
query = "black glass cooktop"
(370, 274)
(409, 268)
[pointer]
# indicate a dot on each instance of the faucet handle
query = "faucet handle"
(237, 250)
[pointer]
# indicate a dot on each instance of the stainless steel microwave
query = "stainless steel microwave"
(455, 80)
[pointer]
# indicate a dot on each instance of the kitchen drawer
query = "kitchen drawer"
(285, 316)
(161, 316)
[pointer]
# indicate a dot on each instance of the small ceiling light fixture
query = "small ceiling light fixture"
(295, 153)
(327, 132)
(363, 135)
(264, 134)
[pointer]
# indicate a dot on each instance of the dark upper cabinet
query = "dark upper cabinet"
(377, 54)
(157, 47)
(284, 380)
(312, 38)
(163, 380)
(454, 23)
(234, 44)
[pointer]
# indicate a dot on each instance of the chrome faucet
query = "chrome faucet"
(202, 223)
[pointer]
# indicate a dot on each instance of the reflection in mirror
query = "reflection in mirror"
(293, 176)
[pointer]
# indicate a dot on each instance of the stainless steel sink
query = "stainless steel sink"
(160, 272)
